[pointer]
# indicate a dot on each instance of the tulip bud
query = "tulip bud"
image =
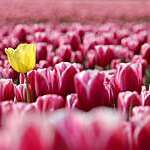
(38, 28)
(6, 89)
(122, 33)
(41, 52)
(9, 73)
(64, 52)
(93, 89)
(129, 77)
(90, 40)
(72, 101)
(41, 37)
(127, 100)
(109, 38)
(142, 134)
(20, 32)
(38, 82)
(145, 96)
(50, 56)
(48, 103)
(122, 53)
(43, 64)
(22, 59)
(114, 63)
(104, 55)
(132, 43)
(74, 40)
(56, 60)
(63, 78)
(143, 62)
(76, 57)
(91, 59)
(21, 93)
(145, 52)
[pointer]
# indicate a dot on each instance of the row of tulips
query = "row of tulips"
(25, 126)
(93, 87)
(88, 89)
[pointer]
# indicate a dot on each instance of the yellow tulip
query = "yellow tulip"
(23, 58)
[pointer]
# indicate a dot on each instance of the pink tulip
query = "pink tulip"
(129, 77)
(90, 40)
(121, 52)
(20, 32)
(127, 100)
(30, 133)
(23, 108)
(91, 59)
(21, 93)
(141, 36)
(43, 64)
(41, 51)
(142, 134)
(145, 52)
(38, 28)
(122, 33)
(104, 55)
(76, 57)
(6, 89)
(132, 43)
(72, 101)
(120, 139)
(31, 139)
(145, 96)
(105, 127)
(109, 38)
(64, 51)
(143, 62)
(65, 124)
(50, 55)
(93, 89)
(10, 73)
(114, 63)
(38, 82)
(62, 78)
(56, 60)
(74, 40)
(49, 102)
(41, 37)
(55, 38)
(9, 108)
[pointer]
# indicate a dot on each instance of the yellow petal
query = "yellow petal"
(11, 59)
(23, 58)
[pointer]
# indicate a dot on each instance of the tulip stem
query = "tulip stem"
(130, 111)
(28, 91)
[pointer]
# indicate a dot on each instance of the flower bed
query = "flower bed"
(88, 90)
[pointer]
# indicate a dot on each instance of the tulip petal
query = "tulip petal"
(23, 58)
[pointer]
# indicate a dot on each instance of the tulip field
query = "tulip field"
(73, 86)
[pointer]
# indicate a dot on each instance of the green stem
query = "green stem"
(29, 100)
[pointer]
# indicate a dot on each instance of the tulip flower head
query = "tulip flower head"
(23, 58)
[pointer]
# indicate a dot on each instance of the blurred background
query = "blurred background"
(20, 11)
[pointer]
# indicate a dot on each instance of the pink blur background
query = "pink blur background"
(17, 11)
